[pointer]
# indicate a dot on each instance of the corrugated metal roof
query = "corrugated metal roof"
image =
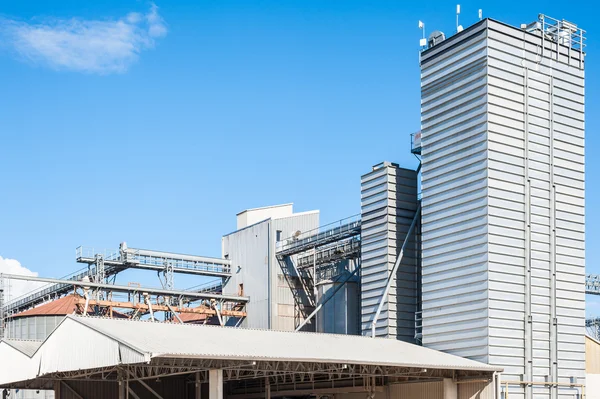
(60, 307)
(194, 317)
(215, 342)
(27, 347)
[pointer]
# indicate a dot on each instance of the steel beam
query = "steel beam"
(123, 288)
(158, 308)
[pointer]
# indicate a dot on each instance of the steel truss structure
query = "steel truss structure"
(285, 373)
(102, 265)
(318, 252)
(147, 300)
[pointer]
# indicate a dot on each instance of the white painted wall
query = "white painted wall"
(252, 216)
(592, 386)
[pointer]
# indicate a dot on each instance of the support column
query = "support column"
(57, 390)
(122, 389)
(267, 388)
(450, 389)
(198, 386)
(215, 384)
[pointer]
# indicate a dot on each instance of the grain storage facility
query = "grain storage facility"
(473, 287)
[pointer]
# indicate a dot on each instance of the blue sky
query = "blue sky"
(121, 121)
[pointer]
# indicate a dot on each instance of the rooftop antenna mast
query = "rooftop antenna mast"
(458, 27)
(423, 41)
(480, 14)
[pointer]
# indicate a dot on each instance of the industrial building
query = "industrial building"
(465, 277)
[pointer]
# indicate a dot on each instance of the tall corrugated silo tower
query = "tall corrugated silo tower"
(502, 114)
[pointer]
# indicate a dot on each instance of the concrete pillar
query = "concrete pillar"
(450, 389)
(215, 384)
(267, 388)
(122, 389)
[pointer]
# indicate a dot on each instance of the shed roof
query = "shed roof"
(26, 347)
(216, 342)
(80, 345)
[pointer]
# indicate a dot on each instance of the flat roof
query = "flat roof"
(265, 207)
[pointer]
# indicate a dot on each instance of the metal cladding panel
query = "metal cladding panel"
(216, 342)
(417, 390)
(388, 204)
(340, 314)
(15, 365)
(504, 204)
(51, 359)
(476, 390)
(303, 222)
(531, 99)
(248, 250)
(34, 327)
(454, 198)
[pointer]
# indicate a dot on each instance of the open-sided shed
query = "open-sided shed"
(89, 357)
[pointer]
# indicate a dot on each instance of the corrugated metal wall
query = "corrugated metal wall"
(388, 205)
(35, 327)
(592, 356)
(304, 221)
(476, 390)
(417, 390)
(248, 250)
(503, 204)
(454, 191)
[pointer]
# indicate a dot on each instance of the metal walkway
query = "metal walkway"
(347, 249)
(158, 261)
(331, 242)
(592, 284)
(333, 232)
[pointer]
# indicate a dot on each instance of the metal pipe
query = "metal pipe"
(123, 288)
(553, 319)
(149, 303)
(551, 384)
(174, 313)
(528, 319)
(394, 270)
(87, 304)
(218, 314)
(328, 298)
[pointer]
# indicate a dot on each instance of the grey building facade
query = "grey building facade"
(388, 206)
(502, 113)
(256, 271)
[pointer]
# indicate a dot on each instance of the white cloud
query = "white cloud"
(16, 288)
(92, 46)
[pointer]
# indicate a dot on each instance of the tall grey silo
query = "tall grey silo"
(388, 206)
(502, 113)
